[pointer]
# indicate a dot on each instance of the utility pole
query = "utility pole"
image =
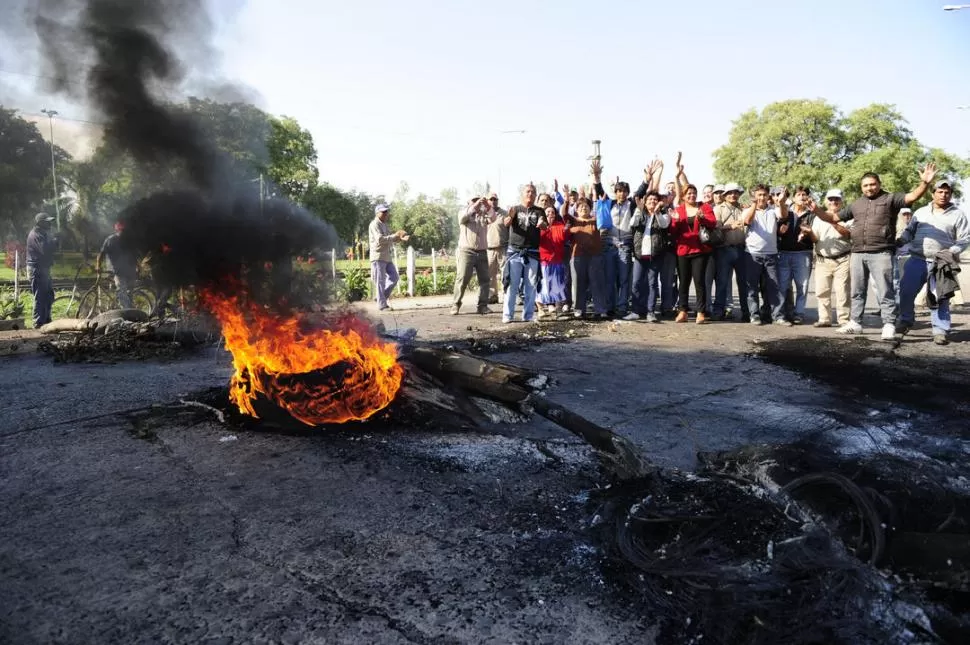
(57, 206)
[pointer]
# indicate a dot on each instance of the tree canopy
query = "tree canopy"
(812, 143)
(25, 172)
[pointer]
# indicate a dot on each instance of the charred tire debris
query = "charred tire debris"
(799, 543)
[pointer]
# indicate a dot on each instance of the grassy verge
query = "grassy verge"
(65, 266)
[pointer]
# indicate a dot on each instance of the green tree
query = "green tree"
(811, 143)
(252, 143)
(332, 205)
(292, 158)
(430, 224)
(25, 172)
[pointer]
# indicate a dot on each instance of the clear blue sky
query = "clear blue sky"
(419, 91)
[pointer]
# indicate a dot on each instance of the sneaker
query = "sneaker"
(681, 317)
(578, 315)
(781, 322)
(506, 321)
(940, 339)
(903, 328)
(631, 316)
(652, 318)
(888, 332)
(851, 327)
(728, 313)
(484, 311)
(797, 320)
(756, 322)
(455, 309)
(386, 308)
(822, 323)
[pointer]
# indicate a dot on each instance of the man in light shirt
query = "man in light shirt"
(381, 241)
(833, 246)
(761, 251)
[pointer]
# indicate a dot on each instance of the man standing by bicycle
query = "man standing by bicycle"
(122, 263)
(41, 245)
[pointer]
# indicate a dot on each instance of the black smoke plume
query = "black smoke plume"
(209, 232)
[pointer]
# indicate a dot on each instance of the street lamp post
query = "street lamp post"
(57, 207)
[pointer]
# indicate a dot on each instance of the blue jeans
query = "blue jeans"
(878, 266)
(624, 271)
(646, 284)
(797, 266)
(611, 262)
(754, 267)
(524, 270)
(385, 277)
(915, 274)
(728, 259)
(897, 270)
(668, 282)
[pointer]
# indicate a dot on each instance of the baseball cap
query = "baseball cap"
(732, 187)
(42, 218)
(834, 193)
(777, 190)
(719, 188)
(942, 183)
(381, 208)
(905, 210)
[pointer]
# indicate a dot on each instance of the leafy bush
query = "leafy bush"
(424, 283)
(355, 284)
(12, 248)
(10, 307)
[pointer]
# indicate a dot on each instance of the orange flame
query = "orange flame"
(331, 375)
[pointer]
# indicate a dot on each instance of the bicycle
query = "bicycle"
(69, 303)
(100, 298)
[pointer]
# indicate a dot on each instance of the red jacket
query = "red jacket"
(552, 243)
(685, 236)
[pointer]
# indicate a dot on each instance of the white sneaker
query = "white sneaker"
(851, 327)
(889, 332)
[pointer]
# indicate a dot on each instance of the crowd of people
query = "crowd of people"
(635, 256)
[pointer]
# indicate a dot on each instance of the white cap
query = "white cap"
(381, 208)
(905, 210)
(733, 188)
(834, 193)
(718, 188)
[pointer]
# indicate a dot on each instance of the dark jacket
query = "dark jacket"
(945, 270)
(41, 245)
(874, 229)
(788, 241)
